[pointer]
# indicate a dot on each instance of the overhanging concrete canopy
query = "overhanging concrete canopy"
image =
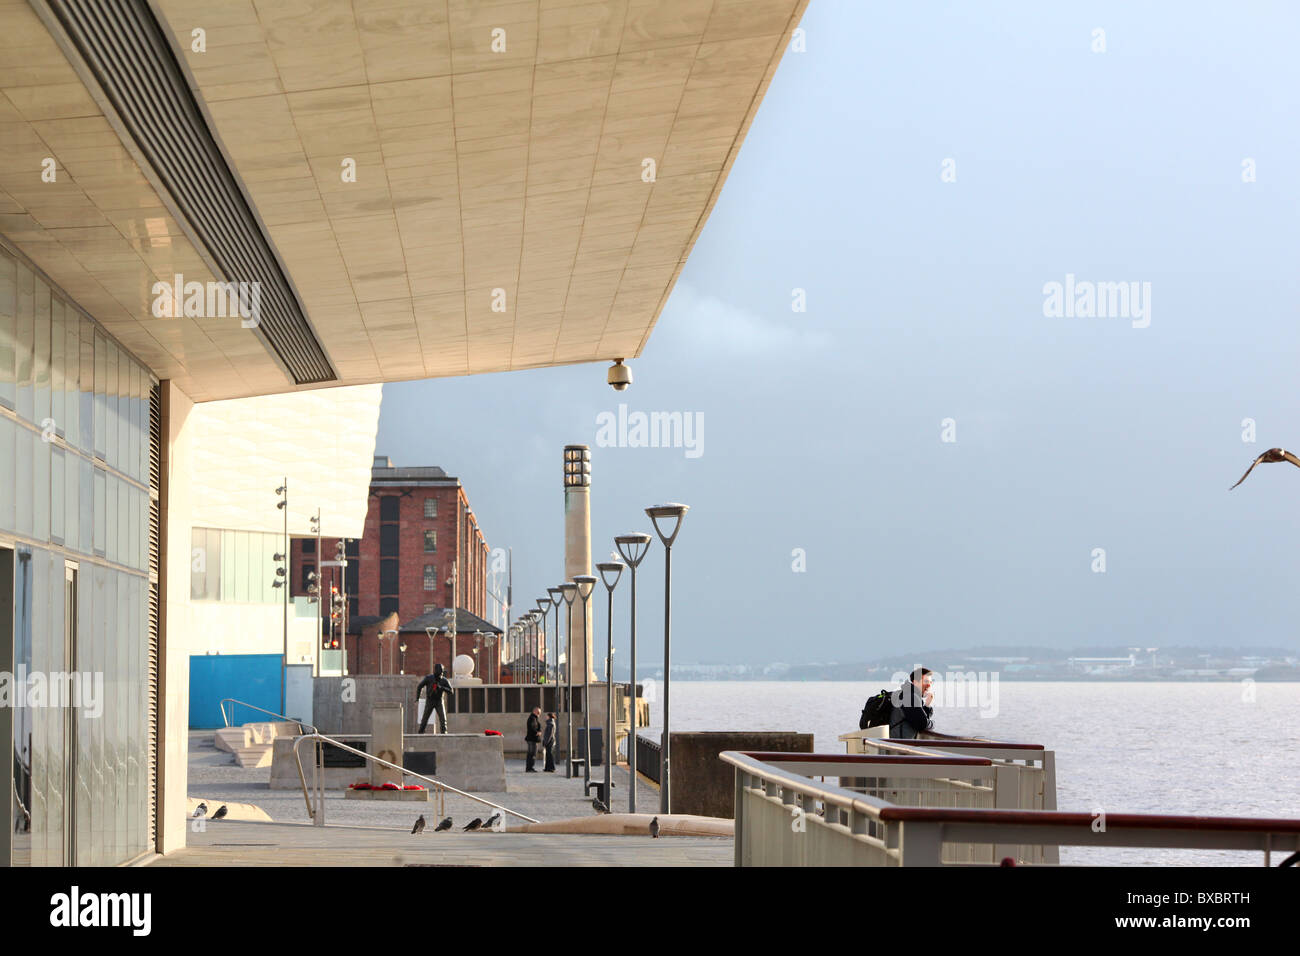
(500, 216)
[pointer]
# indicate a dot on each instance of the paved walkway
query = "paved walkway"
(368, 833)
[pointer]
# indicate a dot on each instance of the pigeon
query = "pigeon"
(492, 821)
(1269, 457)
(419, 825)
(654, 828)
(200, 810)
(473, 824)
(444, 825)
(598, 806)
(221, 813)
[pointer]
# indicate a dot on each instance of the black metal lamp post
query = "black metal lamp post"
(610, 572)
(586, 584)
(677, 513)
(543, 605)
(633, 548)
(569, 590)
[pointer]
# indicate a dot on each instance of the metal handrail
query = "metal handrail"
(292, 720)
(319, 819)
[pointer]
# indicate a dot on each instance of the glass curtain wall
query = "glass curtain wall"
(74, 519)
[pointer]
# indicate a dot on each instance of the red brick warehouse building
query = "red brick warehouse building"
(422, 550)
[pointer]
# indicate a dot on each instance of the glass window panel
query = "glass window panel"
(227, 590)
(242, 562)
(8, 471)
(86, 388)
(111, 419)
(101, 536)
(57, 495)
(105, 795)
(132, 463)
(213, 558)
(101, 381)
(135, 556)
(24, 341)
(57, 343)
(123, 522)
(37, 618)
(72, 502)
(24, 440)
(41, 353)
(122, 702)
(71, 375)
(266, 576)
(86, 500)
(123, 411)
(8, 329)
(40, 496)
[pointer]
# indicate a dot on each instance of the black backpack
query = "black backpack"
(877, 711)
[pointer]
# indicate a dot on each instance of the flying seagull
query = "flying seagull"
(598, 806)
(221, 813)
(444, 825)
(473, 824)
(1270, 457)
(200, 810)
(492, 821)
(654, 828)
(419, 824)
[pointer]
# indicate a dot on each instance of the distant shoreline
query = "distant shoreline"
(1003, 678)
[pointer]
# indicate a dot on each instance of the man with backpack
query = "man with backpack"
(913, 710)
(906, 710)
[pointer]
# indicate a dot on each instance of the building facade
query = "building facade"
(422, 548)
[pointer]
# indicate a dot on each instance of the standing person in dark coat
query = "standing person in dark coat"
(434, 686)
(531, 737)
(912, 706)
(548, 743)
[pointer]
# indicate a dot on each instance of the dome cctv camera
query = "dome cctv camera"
(619, 377)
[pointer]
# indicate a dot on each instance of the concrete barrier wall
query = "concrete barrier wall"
(465, 761)
(500, 707)
(704, 785)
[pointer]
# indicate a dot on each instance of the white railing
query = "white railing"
(784, 817)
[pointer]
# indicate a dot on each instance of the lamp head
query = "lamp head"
(570, 591)
(586, 583)
(669, 512)
(610, 572)
(556, 595)
(633, 547)
(543, 604)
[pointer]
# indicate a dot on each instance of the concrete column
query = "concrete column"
(175, 504)
(577, 553)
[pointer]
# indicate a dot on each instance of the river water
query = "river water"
(1191, 748)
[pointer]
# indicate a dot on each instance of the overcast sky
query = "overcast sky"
(824, 431)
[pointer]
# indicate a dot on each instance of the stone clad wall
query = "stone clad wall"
(702, 784)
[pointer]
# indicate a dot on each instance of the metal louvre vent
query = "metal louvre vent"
(125, 48)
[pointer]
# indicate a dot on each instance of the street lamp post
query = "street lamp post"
(606, 569)
(678, 513)
(282, 581)
(569, 590)
(543, 605)
(556, 596)
(633, 548)
(586, 584)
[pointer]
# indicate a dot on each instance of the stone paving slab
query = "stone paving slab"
(364, 833)
(241, 843)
